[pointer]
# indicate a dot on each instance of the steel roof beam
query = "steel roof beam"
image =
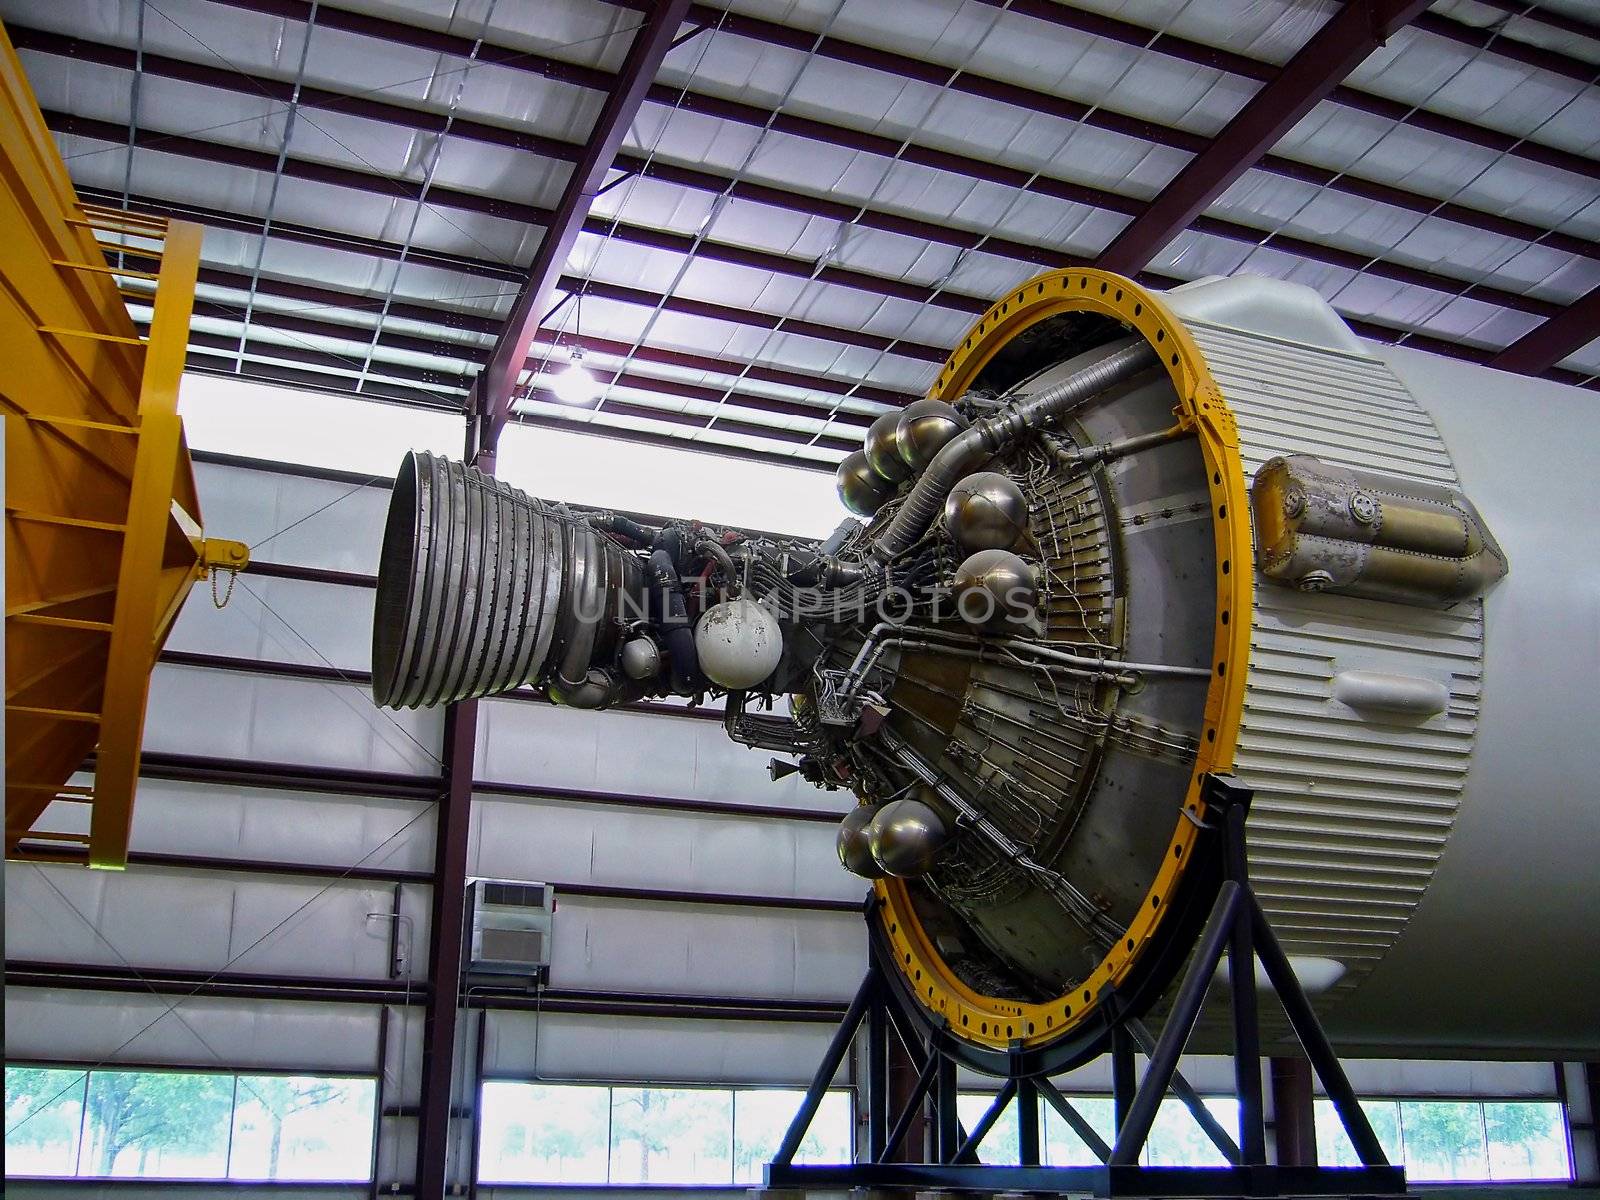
(476, 355)
(1034, 100)
(1199, 54)
(683, 359)
(1062, 15)
(701, 180)
(342, 384)
(289, 289)
(372, 182)
(426, 379)
(1541, 58)
(491, 395)
(1337, 48)
(1542, 348)
(698, 362)
(813, 129)
(639, 235)
(1547, 17)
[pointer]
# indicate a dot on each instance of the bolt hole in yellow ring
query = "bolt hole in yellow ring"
(1202, 408)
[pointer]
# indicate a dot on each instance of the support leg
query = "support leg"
(1135, 1130)
(1309, 1030)
(877, 1074)
(837, 1049)
(968, 1152)
(1027, 1123)
(948, 1128)
(1184, 1091)
(1124, 1083)
(1294, 1125)
(1079, 1124)
(913, 1107)
(1242, 987)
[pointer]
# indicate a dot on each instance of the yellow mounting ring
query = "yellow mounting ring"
(1004, 1023)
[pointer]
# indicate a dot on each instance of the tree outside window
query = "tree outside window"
(544, 1133)
(671, 1135)
(1527, 1140)
(1064, 1148)
(302, 1127)
(1457, 1140)
(157, 1123)
(187, 1125)
(761, 1117)
(44, 1112)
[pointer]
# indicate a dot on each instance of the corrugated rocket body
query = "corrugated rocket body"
(1353, 808)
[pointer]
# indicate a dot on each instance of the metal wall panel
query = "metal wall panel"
(564, 1046)
(570, 841)
(228, 821)
(235, 714)
(44, 1024)
(264, 615)
(155, 917)
(701, 949)
(253, 506)
(519, 742)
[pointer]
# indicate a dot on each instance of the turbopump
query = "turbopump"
(1128, 540)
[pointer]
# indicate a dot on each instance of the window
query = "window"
(584, 1133)
(533, 1133)
(1176, 1139)
(761, 1118)
(187, 1125)
(44, 1120)
(1064, 1148)
(1001, 1146)
(671, 1135)
(301, 1127)
(1457, 1140)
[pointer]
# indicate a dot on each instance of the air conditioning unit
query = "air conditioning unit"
(508, 930)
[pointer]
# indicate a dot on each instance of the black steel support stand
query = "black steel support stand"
(1238, 931)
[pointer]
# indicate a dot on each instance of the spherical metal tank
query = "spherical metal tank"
(739, 643)
(882, 448)
(855, 850)
(905, 837)
(995, 589)
(924, 428)
(987, 511)
(861, 489)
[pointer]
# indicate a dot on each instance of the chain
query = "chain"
(233, 577)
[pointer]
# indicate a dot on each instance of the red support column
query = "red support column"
(1294, 1127)
(490, 402)
(1547, 344)
(444, 953)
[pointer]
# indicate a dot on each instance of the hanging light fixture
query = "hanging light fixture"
(575, 385)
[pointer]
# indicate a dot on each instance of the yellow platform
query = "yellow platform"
(103, 531)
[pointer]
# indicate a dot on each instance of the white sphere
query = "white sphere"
(739, 643)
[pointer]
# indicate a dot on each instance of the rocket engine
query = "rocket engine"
(1128, 540)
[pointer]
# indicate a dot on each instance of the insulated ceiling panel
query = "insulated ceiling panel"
(816, 196)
